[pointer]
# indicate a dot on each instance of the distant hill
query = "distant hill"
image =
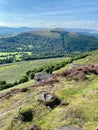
(6, 31)
(46, 42)
(89, 32)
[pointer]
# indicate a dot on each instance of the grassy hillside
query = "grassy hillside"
(49, 43)
(14, 71)
(80, 109)
(91, 59)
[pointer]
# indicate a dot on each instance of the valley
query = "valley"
(68, 100)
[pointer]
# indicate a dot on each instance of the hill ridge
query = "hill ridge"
(46, 42)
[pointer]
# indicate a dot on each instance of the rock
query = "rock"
(24, 90)
(49, 100)
(34, 127)
(80, 72)
(68, 128)
(79, 75)
(45, 96)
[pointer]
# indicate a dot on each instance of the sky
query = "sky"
(49, 13)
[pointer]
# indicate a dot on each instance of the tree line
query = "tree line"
(47, 68)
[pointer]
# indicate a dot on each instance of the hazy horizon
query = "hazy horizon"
(49, 14)
(48, 27)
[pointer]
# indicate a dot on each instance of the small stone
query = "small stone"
(34, 127)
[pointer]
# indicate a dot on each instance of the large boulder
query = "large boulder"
(80, 72)
(68, 128)
(77, 74)
(49, 100)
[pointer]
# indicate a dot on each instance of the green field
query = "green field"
(14, 71)
(12, 56)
